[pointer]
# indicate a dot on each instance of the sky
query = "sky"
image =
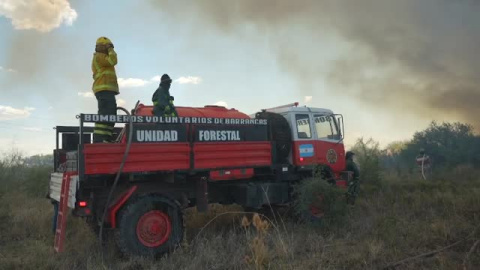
(389, 67)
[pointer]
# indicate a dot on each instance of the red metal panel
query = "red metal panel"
(331, 153)
(321, 150)
(302, 161)
(229, 155)
(106, 158)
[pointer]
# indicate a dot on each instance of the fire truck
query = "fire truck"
(138, 186)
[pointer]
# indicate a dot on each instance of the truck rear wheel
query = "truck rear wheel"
(149, 226)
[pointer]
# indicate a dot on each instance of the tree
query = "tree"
(448, 144)
(391, 156)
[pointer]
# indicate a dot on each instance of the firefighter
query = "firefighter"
(105, 87)
(353, 183)
(162, 100)
(423, 163)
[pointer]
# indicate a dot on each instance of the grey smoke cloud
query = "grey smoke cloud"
(405, 56)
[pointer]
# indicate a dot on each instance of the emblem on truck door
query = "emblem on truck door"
(306, 150)
(331, 156)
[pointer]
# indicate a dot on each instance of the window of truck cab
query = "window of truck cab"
(326, 127)
(303, 126)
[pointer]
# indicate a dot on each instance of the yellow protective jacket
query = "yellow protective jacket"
(103, 68)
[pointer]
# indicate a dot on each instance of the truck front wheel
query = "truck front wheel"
(149, 226)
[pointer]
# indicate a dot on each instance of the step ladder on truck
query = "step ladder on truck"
(64, 181)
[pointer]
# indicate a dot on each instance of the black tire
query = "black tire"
(131, 234)
(280, 133)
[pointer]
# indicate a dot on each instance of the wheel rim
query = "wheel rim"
(154, 228)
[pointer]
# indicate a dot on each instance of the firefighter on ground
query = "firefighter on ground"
(105, 87)
(162, 100)
(423, 163)
(354, 182)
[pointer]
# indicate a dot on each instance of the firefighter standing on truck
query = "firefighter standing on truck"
(162, 100)
(353, 183)
(105, 87)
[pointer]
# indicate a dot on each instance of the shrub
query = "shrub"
(367, 157)
(18, 176)
(321, 195)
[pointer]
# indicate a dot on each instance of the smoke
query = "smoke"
(410, 56)
(41, 15)
(32, 53)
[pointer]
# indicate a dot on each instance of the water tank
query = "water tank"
(212, 111)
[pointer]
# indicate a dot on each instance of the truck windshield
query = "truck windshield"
(326, 127)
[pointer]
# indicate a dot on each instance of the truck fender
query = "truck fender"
(118, 204)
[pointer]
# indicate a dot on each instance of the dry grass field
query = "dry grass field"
(394, 219)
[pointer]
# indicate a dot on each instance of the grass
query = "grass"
(396, 218)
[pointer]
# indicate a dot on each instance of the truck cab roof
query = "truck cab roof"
(295, 109)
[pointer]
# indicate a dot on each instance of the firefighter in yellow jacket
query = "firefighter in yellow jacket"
(105, 87)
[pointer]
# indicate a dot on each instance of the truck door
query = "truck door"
(303, 140)
(329, 148)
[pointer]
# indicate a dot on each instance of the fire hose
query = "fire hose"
(122, 164)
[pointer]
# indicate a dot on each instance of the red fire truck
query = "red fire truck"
(138, 186)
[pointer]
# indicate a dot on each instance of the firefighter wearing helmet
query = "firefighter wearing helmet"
(105, 87)
(162, 100)
(353, 183)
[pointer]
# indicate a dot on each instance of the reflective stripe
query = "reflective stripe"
(105, 87)
(99, 125)
(106, 72)
(110, 60)
(102, 132)
(97, 66)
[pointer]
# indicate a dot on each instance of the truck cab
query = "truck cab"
(317, 137)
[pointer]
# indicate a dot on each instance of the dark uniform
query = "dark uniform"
(162, 100)
(105, 87)
(353, 184)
